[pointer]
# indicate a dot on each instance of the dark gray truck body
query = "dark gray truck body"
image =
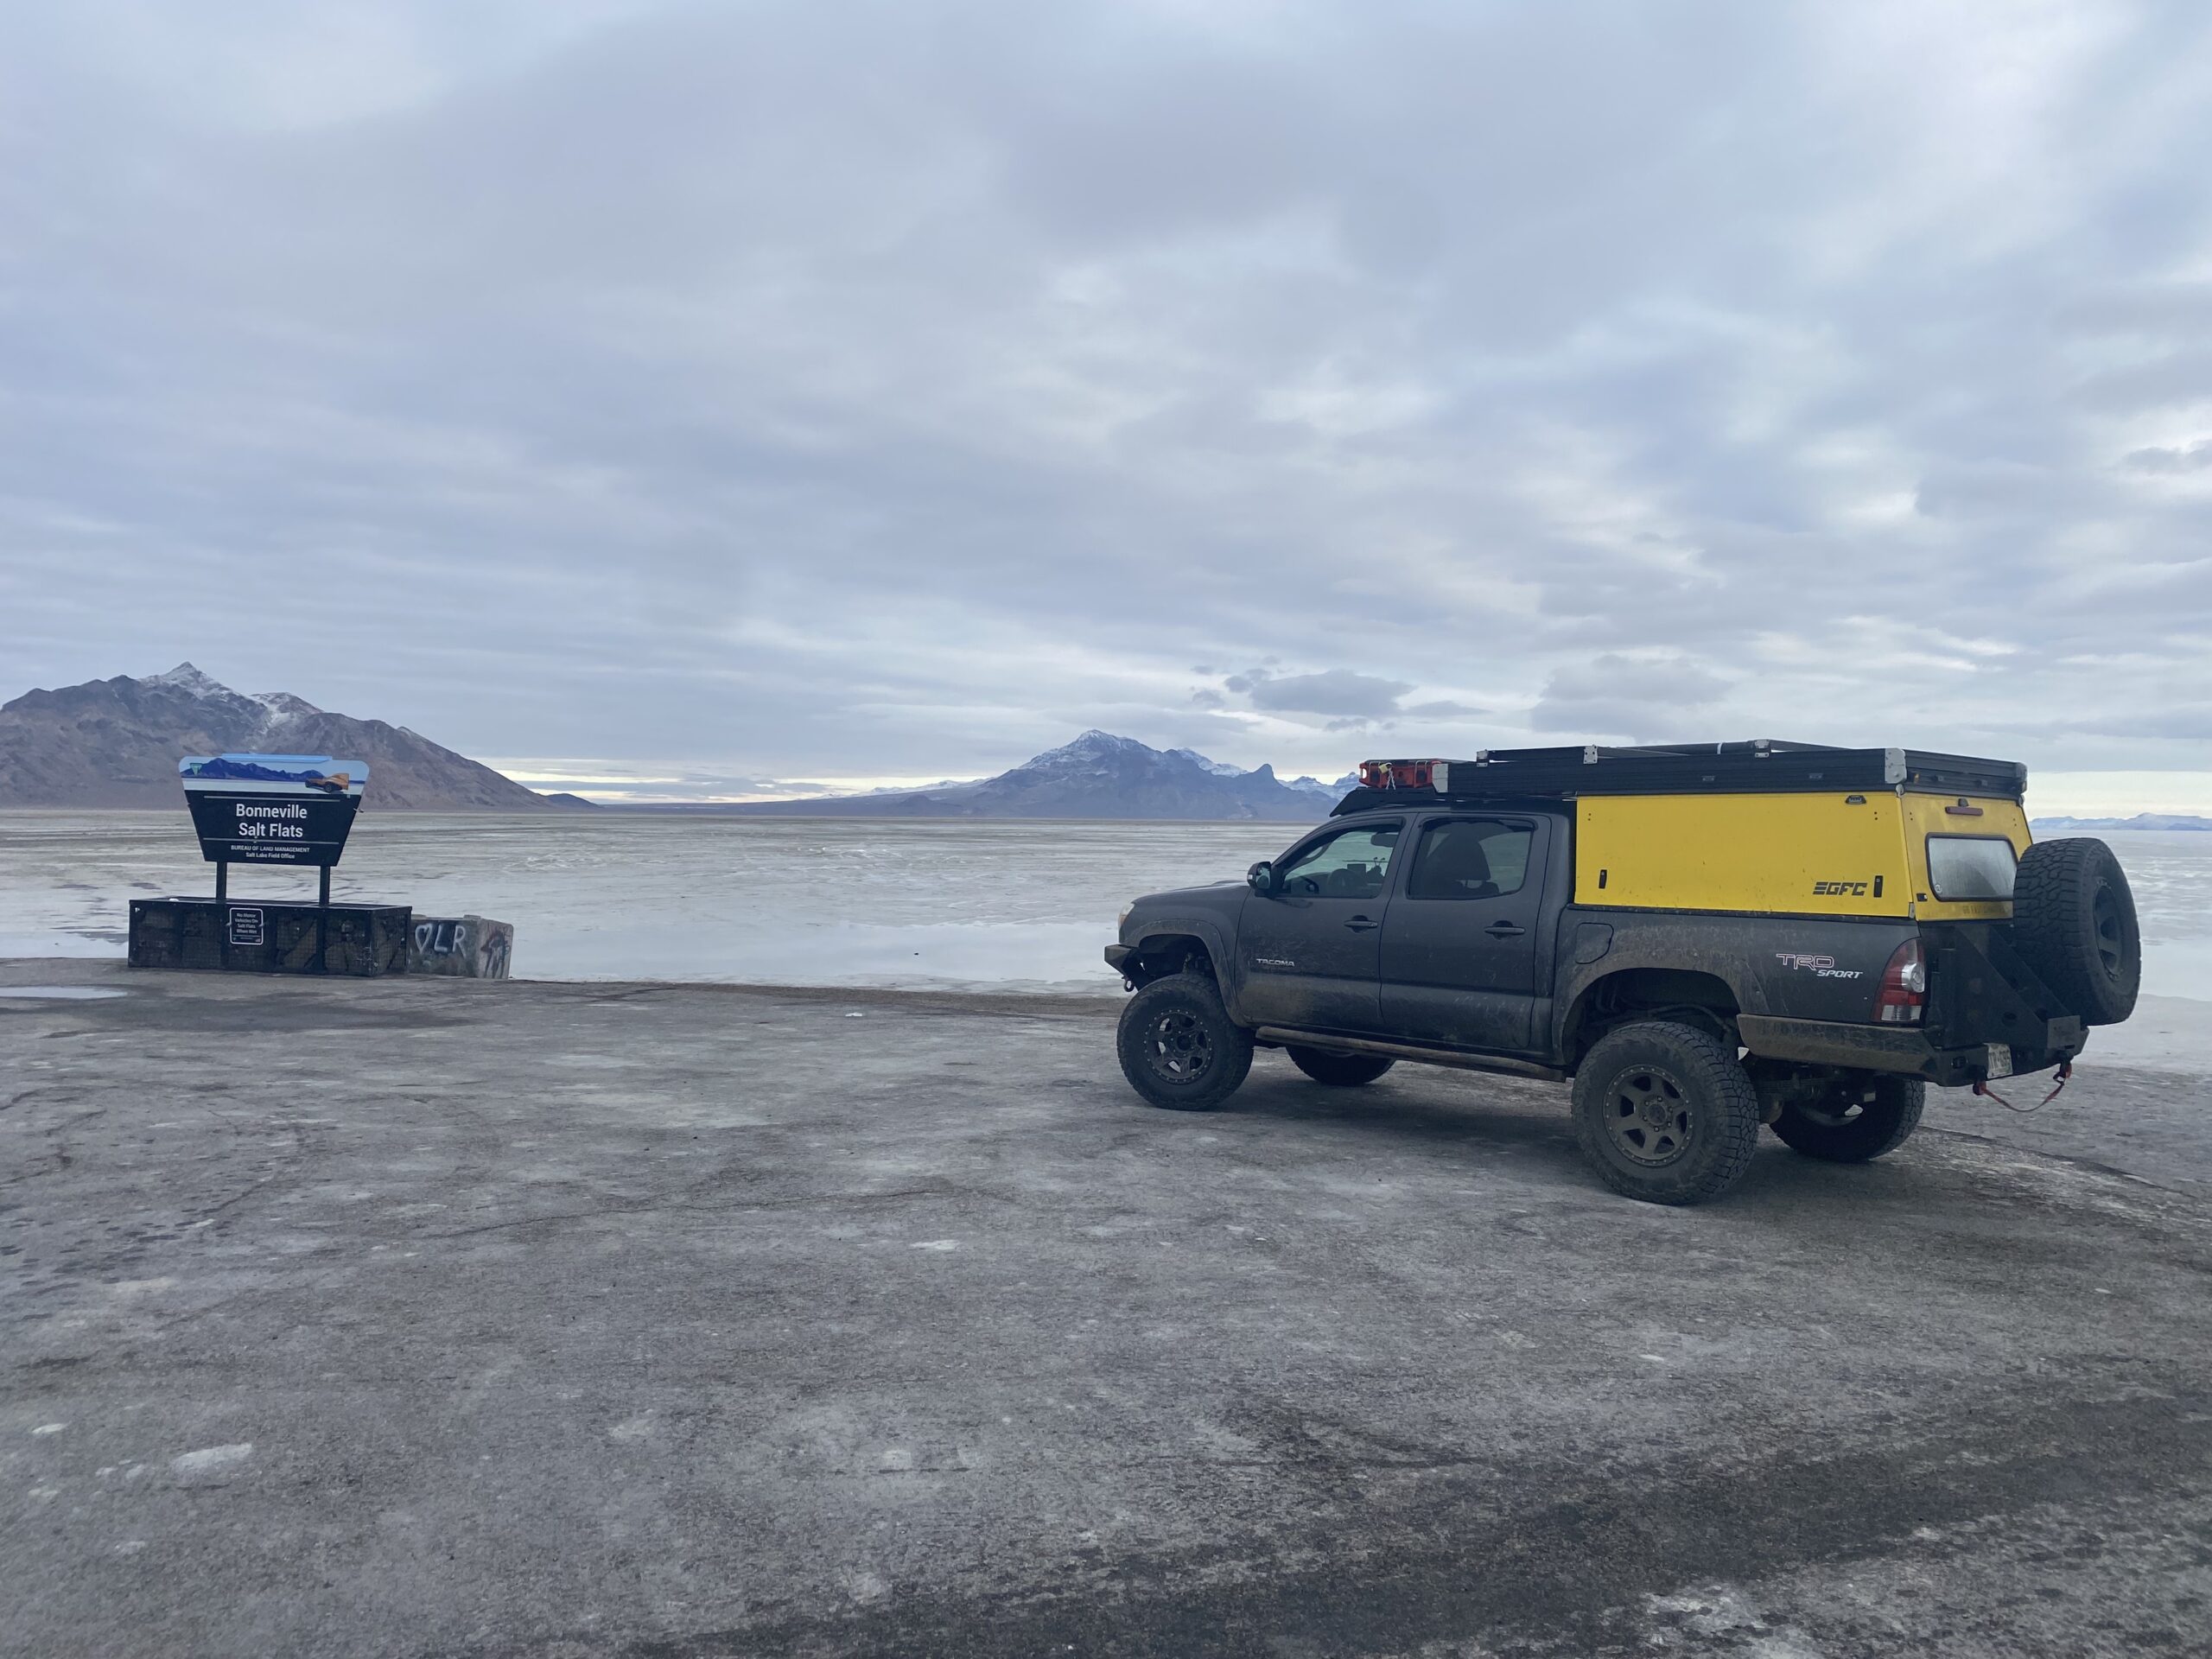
(1526, 981)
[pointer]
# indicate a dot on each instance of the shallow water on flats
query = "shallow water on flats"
(1005, 905)
(1021, 906)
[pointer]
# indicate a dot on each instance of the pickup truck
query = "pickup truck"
(1704, 938)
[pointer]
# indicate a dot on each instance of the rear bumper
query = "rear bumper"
(1890, 1048)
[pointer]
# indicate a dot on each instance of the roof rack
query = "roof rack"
(1763, 766)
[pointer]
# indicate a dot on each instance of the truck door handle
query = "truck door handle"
(1504, 931)
(1361, 924)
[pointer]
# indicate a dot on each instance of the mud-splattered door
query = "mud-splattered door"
(1311, 950)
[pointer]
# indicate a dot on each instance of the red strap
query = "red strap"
(2065, 1071)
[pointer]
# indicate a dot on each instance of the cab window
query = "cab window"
(1353, 864)
(1470, 858)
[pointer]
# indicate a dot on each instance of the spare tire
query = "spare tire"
(2073, 923)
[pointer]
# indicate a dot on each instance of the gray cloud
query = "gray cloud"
(1442, 708)
(2195, 459)
(1652, 698)
(1339, 692)
(857, 389)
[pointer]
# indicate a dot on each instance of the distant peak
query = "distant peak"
(1093, 741)
(189, 680)
(282, 705)
(1205, 763)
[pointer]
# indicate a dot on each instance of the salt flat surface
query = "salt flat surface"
(416, 1317)
(919, 904)
(988, 905)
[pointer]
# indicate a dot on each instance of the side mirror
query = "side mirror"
(1261, 878)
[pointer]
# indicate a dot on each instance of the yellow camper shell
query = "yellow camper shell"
(1849, 853)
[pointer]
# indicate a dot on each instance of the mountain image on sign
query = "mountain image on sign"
(273, 775)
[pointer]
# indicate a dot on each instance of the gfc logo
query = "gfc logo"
(1841, 889)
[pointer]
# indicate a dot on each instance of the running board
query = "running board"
(1282, 1036)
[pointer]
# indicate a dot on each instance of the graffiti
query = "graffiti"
(435, 938)
(471, 947)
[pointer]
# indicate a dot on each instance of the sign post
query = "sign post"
(272, 809)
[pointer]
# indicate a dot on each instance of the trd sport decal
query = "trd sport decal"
(1824, 967)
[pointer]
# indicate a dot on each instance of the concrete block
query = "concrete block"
(467, 947)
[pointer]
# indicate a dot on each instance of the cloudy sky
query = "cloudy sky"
(732, 395)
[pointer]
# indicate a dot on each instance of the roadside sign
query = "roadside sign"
(272, 809)
(246, 925)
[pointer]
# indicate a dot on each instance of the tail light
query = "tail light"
(1904, 996)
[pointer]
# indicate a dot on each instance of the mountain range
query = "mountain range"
(116, 743)
(2141, 821)
(1098, 776)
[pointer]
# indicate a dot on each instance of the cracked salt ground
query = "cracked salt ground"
(646, 1357)
(210, 1460)
(1717, 1617)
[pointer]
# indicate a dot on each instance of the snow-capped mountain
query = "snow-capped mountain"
(1099, 775)
(1223, 769)
(1218, 768)
(117, 742)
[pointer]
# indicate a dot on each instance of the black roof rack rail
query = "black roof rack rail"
(1765, 766)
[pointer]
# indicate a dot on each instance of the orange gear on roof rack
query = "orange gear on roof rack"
(1401, 774)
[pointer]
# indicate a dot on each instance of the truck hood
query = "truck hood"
(1218, 901)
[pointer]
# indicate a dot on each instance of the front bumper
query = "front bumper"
(1901, 1049)
(1117, 957)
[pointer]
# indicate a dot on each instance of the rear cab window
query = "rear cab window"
(1470, 858)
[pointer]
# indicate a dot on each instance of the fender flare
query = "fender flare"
(1205, 930)
(1658, 949)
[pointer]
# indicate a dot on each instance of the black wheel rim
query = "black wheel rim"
(1836, 1112)
(1648, 1115)
(1178, 1046)
(2104, 914)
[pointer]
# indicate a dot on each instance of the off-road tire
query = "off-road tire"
(2073, 923)
(1178, 1048)
(1338, 1071)
(1681, 1089)
(1845, 1127)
